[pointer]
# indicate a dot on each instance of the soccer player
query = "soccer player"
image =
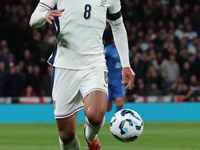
(116, 90)
(79, 75)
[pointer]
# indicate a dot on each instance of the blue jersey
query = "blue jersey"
(113, 64)
(115, 86)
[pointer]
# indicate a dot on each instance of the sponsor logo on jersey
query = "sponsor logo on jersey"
(115, 55)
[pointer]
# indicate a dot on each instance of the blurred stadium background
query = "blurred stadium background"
(164, 41)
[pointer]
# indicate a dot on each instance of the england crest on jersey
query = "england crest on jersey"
(106, 77)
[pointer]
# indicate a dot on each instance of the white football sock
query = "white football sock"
(92, 131)
(73, 145)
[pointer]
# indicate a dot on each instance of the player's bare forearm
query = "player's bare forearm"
(40, 16)
(128, 77)
(50, 15)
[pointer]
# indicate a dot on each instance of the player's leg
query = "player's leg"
(95, 105)
(67, 100)
(119, 103)
(67, 129)
(95, 93)
(118, 95)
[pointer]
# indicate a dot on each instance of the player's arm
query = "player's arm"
(115, 20)
(44, 13)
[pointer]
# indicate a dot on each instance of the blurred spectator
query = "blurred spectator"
(186, 72)
(172, 90)
(154, 91)
(158, 64)
(190, 96)
(36, 80)
(151, 77)
(174, 38)
(193, 83)
(179, 83)
(3, 73)
(3, 43)
(194, 15)
(186, 21)
(151, 33)
(152, 55)
(171, 69)
(46, 83)
(134, 52)
(192, 45)
(190, 34)
(164, 2)
(28, 92)
(165, 15)
(158, 42)
(141, 90)
(163, 36)
(29, 75)
(21, 74)
(13, 86)
(183, 43)
(167, 47)
(191, 58)
(5, 55)
(179, 31)
(197, 65)
(165, 84)
(131, 94)
(174, 52)
(184, 89)
(182, 58)
(28, 58)
(22, 66)
(144, 60)
(138, 67)
(197, 93)
(11, 60)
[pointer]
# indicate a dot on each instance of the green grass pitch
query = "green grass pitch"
(156, 136)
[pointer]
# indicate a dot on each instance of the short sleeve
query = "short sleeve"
(49, 4)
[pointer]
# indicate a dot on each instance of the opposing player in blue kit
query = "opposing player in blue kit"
(116, 89)
(79, 65)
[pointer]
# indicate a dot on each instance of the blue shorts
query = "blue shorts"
(115, 91)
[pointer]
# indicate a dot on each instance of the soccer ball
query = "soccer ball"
(126, 125)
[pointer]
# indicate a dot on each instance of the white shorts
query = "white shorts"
(69, 87)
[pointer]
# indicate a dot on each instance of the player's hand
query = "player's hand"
(128, 77)
(52, 14)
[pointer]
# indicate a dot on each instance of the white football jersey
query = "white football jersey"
(80, 32)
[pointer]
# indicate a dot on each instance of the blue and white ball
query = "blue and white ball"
(126, 125)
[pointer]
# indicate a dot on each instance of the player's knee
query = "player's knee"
(67, 137)
(119, 101)
(95, 119)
